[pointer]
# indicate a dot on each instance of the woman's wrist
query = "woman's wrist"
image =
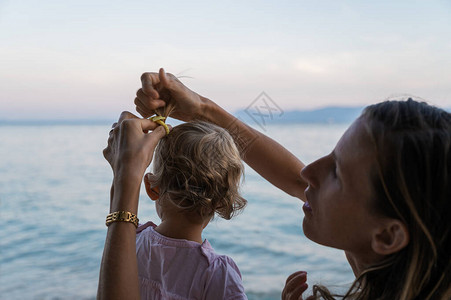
(129, 173)
(198, 111)
(208, 110)
(215, 114)
(126, 194)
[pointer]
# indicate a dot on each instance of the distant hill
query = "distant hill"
(263, 115)
(274, 115)
(258, 114)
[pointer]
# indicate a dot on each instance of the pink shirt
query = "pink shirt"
(181, 269)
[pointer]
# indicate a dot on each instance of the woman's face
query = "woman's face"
(337, 210)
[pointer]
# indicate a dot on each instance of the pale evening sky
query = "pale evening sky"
(83, 59)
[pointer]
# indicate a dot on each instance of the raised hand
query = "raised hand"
(131, 145)
(295, 285)
(164, 89)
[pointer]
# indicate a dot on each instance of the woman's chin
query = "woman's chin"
(307, 231)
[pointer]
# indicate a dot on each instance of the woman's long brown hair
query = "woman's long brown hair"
(412, 183)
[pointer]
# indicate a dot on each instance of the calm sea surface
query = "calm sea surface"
(54, 196)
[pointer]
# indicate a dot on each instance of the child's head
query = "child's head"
(198, 168)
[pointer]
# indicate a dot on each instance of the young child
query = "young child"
(197, 171)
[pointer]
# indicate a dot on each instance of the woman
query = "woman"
(382, 195)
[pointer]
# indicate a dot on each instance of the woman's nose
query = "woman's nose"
(307, 175)
(310, 173)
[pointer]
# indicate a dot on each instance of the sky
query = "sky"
(83, 59)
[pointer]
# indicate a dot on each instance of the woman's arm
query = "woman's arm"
(129, 152)
(272, 161)
(119, 269)
(267, 157)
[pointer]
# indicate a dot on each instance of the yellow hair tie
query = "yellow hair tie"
(160, 120)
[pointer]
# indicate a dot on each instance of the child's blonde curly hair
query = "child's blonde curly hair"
(198, 168)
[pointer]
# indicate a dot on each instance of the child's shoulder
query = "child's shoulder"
(218, 261)
(141, 227)
(223, 276)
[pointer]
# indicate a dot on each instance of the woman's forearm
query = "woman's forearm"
(119, 270)
(267, 157)
(272, 161)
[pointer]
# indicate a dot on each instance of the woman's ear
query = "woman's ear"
(390, 238)
(152, 190)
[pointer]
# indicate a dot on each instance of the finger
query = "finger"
(133, 124)
(143, 107)
(300, 290)
(112, 128)
(301, 274)
(147, 125)
(294, 291)
(297, 293)
(106, 153)
(167, 79)
(143, 113)
(113, 131)
(148, 102)
(110, 139)
(148, 82)
(163, 78)
(293, 282)
(154, 137)
(126, 115)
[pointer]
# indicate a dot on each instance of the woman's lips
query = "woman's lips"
(306, 207)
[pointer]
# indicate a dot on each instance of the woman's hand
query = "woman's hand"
(131, 145)
(295, 285)
(160, 89)
(129, 152)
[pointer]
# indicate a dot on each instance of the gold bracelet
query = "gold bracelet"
(122, 216)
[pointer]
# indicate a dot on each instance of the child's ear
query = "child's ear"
(390, 238)
(152, 190)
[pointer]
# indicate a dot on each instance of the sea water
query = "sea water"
(54, 196)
